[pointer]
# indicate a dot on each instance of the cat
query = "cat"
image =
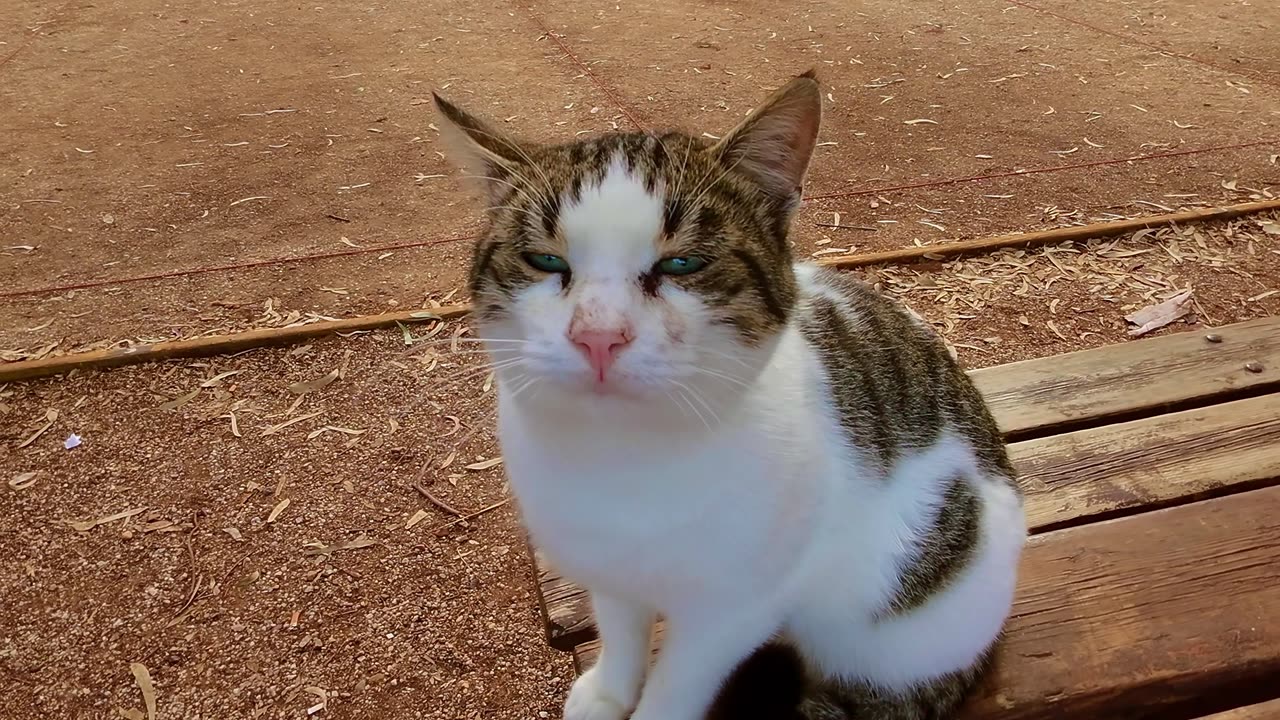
(787, 467)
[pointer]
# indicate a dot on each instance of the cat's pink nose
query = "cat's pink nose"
(601, 346)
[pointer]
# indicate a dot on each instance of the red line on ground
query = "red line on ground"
(1038, 171)
(1135, 41)
(445, 241)
(586, 70)
(234, 266)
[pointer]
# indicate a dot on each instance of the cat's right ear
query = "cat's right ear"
(488, 155)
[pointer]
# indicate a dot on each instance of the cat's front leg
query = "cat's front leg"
(611, 688)
(698, 654)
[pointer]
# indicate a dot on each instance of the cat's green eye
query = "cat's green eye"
(546, 263)
(681, 265)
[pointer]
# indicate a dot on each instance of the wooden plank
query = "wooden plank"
(1261, 711)
(1049, 237)
(1173, 613)
(1038, 397)
(215, 344)
(1079, 477)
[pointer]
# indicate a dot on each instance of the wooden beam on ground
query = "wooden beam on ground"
(101, 359)
(1173, 613)
(1076, 478)
(216, 344)
(1047, 237)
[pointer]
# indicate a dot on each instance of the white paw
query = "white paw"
(589, 701)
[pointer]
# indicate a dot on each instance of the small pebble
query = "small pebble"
(1213, 338)
(1253, 367)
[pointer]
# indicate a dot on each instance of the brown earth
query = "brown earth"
(237, 613)
(166, 122)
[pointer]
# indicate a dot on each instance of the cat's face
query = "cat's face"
(637, 265)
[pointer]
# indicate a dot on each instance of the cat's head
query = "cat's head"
(632, 265)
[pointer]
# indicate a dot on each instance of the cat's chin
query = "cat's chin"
(587, 390)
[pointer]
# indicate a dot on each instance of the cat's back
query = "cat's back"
(892, 381)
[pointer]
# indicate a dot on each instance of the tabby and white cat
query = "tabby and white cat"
(787, 467)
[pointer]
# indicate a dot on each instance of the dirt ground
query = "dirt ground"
(146, 139)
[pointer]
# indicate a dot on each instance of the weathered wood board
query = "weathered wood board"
(1036, 397)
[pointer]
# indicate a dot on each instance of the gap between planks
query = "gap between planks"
(218, 344)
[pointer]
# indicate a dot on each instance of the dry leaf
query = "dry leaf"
(143, 676)
(50, 418)
(178, 402)
(485, 465)
(23, 481)
(1271, 228)
(416, 518)
(1154, 317)
(301, 388)
(317, 548)
(279, 508)
(87, 525)
(234, 533)
(216, 380)
(277, 428)
(449, 460)
(320, 693)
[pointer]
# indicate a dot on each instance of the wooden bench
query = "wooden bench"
(1151, 584)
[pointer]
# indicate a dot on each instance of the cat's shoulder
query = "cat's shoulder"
(828, 297)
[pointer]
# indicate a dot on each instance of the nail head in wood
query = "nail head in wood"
(1253, 367)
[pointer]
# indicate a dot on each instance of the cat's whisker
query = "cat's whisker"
(706, 186)
(697, 396)
(537, 216)
(673, 400)
(723, 376)
(528, 383)
(519, 190)
(479, 371)
(546, 181)
(434, 344)
(726, 356)
(694, 408)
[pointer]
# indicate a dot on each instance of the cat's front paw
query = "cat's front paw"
(590, 700)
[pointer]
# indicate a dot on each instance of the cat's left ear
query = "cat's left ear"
(775, 143)
(489, 155)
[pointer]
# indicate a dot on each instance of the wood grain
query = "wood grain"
(1174, 613)
(1038, 397)
(1048, 237)
(214, 344)
(1076, 478)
